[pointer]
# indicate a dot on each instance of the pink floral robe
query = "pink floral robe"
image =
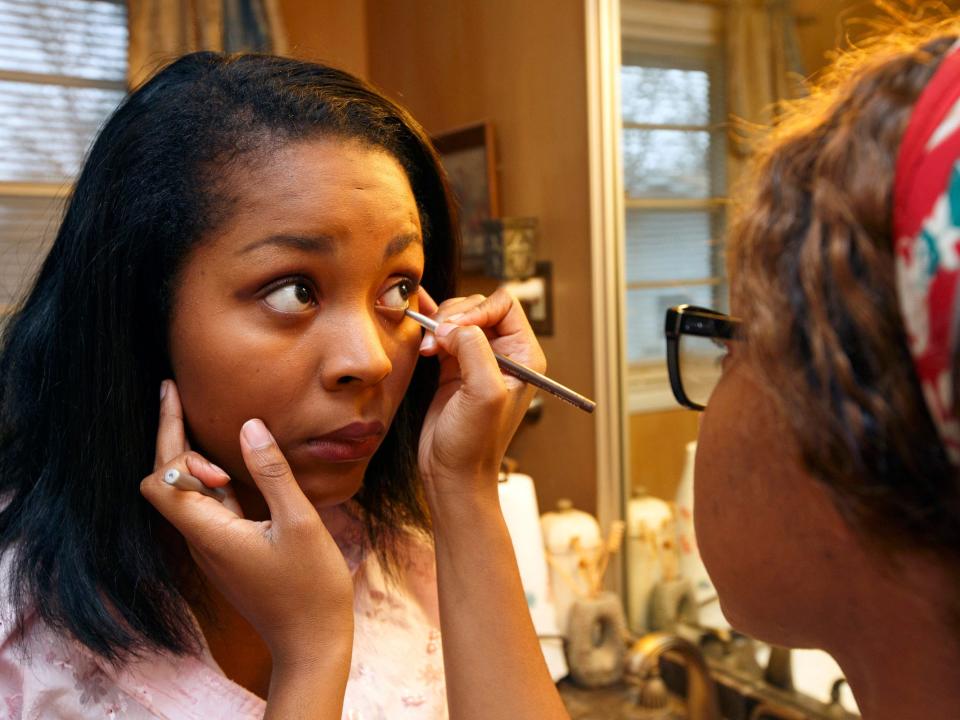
(396, 671)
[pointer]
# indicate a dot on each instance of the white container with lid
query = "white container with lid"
(518, 501)
(691, 566)
(651, 554)
(563, 530)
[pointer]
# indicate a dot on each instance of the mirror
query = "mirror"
(684, 68)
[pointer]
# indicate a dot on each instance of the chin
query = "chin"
(767, 620)
(740, 621)
(329, 489)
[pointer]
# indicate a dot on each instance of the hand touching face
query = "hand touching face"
(284, 574)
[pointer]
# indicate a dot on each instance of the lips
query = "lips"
(356, 441)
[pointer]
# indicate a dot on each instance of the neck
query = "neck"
(902, 656)
(235, 644)
(255, 508)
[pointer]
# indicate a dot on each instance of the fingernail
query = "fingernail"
(429, 342)
(163, 389)
(455, 317)
(217, 469)
(256, 434)
(445, 329)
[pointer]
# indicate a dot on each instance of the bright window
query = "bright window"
(62, 71)
(673, 149)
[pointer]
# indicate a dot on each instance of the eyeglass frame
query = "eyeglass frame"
(699, 321)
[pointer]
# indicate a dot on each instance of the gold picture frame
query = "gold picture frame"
(469, 157)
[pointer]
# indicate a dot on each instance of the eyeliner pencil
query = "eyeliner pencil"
(521, 372)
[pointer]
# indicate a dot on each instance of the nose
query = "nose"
(355, 354)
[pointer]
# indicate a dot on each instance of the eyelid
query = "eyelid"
(414, 287)
(288, 280)
(285, 282)
(414, 284)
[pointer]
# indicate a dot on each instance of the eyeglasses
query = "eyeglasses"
(696, 345)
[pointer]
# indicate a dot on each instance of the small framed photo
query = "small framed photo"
(469, 158)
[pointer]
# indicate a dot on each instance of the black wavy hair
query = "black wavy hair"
(83, 357)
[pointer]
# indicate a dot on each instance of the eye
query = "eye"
(398, 296)
(291, 297)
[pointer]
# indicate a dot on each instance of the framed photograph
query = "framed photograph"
(470, 161)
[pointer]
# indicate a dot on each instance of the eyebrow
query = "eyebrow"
(307, 243)
(325, 243)
(400, 243)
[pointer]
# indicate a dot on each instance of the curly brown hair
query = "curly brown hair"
(812, 237)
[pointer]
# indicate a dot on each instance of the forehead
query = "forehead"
(331, 184)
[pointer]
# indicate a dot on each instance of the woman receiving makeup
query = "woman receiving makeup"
(225, 299)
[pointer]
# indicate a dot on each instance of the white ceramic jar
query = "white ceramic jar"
(563, 530)
(651, 553)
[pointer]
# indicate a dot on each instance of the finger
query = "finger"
(190, 483)
(457, 306)
(200, 519)
(447, 309)
(192, 471)
(426, 304)
(479, 372)
(502, 315)
(272, 474)
(213, 477)
(171, 435)
(501, 311)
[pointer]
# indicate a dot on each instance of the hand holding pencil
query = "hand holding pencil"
(477, 407)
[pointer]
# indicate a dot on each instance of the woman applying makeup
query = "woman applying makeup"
(224, 299)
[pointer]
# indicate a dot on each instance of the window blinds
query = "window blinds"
(66, 38)
(674, 210)
(62, 71)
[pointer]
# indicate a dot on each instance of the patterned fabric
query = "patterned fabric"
(926, 223)
(396, 672)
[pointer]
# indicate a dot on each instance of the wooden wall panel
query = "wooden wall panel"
(328, 31)
(521, 65)
(656, 449)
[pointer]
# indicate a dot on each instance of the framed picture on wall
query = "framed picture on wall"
(469, 158)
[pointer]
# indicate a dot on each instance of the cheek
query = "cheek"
(225, 377)
(229, 369)
(715, 503)
(736, 512)
(761, 522)
(404, 352)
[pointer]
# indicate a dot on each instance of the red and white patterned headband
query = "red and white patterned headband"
(926, 226)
